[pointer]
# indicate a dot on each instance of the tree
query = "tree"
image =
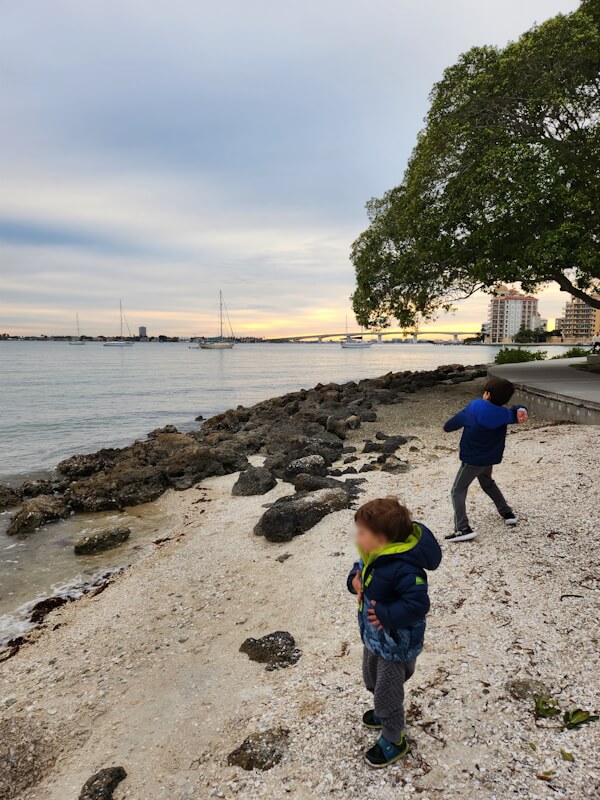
(503, 184)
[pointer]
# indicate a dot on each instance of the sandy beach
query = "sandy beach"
(148, 675)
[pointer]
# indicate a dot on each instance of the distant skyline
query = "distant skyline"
(159, 152)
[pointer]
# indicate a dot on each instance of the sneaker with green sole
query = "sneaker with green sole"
(383, 753)
(371, 720)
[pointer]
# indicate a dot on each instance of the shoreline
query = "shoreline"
(148, 674)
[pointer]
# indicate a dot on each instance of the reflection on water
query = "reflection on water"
(43, 563)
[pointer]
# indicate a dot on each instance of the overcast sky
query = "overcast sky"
(159, 151)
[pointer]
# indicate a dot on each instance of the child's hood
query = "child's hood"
(421, 549)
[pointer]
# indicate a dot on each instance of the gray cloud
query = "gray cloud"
(158, 151)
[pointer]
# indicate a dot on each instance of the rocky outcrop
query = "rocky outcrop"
(99, 541)
(276, 650)
(310, 423)
(254, 480)
(36, 512)
(28, 750)
(8, 497)
(260, 750)
(102, 784)
(295, 514)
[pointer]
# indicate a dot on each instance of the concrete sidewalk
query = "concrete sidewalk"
(555, 388)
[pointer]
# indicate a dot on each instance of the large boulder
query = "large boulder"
(337, 426)
(34, 488)
(8, 497)
(276, 650)
(36, 512)
(388, 445)
(307, 465)
(260, 750)
(98, 541)
(292, 515)
(129, 483)
(254, 480)
(82, 466)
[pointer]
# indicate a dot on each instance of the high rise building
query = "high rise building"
(143, 334)
(509, 311)
(581, 323)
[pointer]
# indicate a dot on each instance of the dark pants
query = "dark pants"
(386, 680)
(465, 477)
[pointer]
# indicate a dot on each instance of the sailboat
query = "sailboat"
(354, 344)
(78, 340)
(220, 343)
(120, 342)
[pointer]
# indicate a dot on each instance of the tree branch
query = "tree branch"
(566, 286)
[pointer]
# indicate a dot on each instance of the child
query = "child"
(484, 424)
(391, 585)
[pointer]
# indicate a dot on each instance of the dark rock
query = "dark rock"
(41, 609)
(395, 465)
(353, 422)
(35, 488)
(128, 483)
(368, 468)
(159, 431)
(413, 449)
(199, 418)
(368, 416)
(81, 466)
(101, 540)
(389, 445)
(381, 436)
(37, 511)
(102, 785)
(349, 471)
(350, 460)
(337, 426)
(335, 472)
(276, 650)
(254, 480)
(260, 750)
(349, 448)
(293, 515)
(283, 557)
(309, 465)
(8, 497)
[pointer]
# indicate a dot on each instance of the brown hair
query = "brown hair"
(500, 390)
(386, 516)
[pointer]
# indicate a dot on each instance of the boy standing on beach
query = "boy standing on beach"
(391, 584)
(484, 422)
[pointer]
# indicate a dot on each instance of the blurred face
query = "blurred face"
(367, 540)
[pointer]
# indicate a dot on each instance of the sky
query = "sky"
(158, 152)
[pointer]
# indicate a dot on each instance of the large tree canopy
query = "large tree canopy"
(503, 185)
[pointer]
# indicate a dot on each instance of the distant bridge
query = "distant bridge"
(406, 334)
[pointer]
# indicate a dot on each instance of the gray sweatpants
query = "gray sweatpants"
(386, 680)
(465, 477)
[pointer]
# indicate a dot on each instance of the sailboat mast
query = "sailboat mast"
(221, 312)
(121, 316)
(77, 321)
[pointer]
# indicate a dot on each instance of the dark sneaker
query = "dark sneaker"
(461, 536)
(371, 720)
(510, 518)
(383, 753)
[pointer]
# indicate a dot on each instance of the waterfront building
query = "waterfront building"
(580, 323)
(143, 333)
(509, 311)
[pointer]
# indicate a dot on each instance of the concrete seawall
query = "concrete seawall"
(555, 389)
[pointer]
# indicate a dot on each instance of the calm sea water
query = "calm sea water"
(56, 400)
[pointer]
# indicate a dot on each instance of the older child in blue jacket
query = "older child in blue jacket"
(484, 422)
(391, 584)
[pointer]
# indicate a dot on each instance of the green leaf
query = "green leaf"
(567, 756)
(577, 717)
(533, 745)
(546, 707)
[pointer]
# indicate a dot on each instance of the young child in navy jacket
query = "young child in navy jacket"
(484, 422)
(391, 584)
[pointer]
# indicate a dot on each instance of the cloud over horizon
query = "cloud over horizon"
(160, 152)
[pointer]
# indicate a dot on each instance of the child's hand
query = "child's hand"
(357, 584)
(372, 616)
(522, 415)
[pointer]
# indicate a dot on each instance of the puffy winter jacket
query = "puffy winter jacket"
(395, 578)
(484, 431)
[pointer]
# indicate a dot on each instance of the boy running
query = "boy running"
(484, 422)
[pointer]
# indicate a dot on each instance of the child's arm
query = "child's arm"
(455, 422)
(411, 605)
(501, 416)
(351, 575)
